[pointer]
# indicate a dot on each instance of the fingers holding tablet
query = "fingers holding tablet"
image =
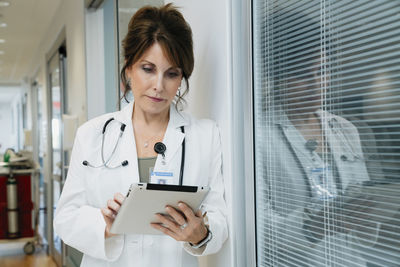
(182, 224)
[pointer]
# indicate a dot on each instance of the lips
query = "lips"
(155, 99)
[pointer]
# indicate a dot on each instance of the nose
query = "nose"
(158, 83)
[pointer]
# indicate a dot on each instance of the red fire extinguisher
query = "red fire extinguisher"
(12, 207)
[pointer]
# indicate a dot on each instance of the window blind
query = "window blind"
(327, 132)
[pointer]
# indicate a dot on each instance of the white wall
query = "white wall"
(69, 17)
(69, 23)
(8, 133)
(6, 123)
(211, 88)
(11, 125)
(96, 91)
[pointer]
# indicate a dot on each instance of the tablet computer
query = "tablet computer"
(144, 200)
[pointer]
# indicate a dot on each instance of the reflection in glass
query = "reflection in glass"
(326, 132)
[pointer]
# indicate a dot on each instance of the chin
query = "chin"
(156, 110)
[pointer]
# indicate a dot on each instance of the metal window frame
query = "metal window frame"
(117, 53)
(244, 242)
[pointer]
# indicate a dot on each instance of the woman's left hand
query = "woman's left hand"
(182, 224)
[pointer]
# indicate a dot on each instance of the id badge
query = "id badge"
(322, 183)
(161, 177)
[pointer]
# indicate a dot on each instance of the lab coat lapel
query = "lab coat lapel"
(128, 144)
(285, 125)
(334, 136)
(173, 138)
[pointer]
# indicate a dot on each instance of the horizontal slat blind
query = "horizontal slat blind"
(327, 132)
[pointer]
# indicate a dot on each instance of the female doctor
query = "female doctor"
(115, 150)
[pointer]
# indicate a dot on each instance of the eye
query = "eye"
(173, 74)
(147, 69)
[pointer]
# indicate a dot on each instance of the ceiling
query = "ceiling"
(27, 22)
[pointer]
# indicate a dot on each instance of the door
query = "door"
(40, 146)
(56, 99)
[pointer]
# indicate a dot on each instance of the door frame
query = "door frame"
(54, 51)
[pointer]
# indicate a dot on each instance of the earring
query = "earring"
(179, 92)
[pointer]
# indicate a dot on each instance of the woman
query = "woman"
(158, 54)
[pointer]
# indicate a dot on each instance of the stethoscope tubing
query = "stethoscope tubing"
(182, 158)
(125, 162)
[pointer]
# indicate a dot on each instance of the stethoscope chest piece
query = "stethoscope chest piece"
(160, 148)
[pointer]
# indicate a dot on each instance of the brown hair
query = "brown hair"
(166, 26)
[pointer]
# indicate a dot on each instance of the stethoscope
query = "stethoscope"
(346, 143)
(159, 148)
(311, 146)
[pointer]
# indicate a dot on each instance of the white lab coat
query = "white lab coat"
(286, 164)
(78, 220)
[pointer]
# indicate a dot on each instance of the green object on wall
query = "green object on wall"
(6, 157)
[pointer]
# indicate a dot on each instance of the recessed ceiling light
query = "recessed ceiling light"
(2, 41)
(4, 3)
(3, 24)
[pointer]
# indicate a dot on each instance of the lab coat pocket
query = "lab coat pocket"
(148, 241)
(134, 249)
(169, 251)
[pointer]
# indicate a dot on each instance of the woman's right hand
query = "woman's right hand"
(110, 212)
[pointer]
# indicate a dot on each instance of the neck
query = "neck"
(155, 121)
(303, 118)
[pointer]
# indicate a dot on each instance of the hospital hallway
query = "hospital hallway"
(11, 255)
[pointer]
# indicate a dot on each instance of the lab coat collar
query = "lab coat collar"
(173, 137)
(176, 119)
(281, 118)
(125, 114)
(324, 115)
(343, 142)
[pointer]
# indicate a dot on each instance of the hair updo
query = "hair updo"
(166, 26)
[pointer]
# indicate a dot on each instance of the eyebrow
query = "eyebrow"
(151, 63)
(147, 62)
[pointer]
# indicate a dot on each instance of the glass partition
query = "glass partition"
(327, 132)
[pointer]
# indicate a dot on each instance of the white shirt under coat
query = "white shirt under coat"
(78, 220)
